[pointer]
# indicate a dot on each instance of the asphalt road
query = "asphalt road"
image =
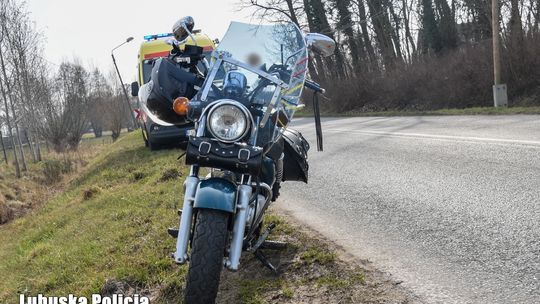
(449, 205)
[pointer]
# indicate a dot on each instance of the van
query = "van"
(155, 46)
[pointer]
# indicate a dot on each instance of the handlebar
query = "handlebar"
(312, 85)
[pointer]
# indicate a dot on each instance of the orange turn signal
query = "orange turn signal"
(180, 105)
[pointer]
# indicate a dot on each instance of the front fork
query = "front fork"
(237, 240)
(184, 232)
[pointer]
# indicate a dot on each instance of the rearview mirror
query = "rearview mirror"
(320, 44)
(134, 89)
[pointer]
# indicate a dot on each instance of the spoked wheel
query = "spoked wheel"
(206, 263)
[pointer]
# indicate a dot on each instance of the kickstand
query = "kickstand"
(262, 243)
(261, 257)
(263, 237)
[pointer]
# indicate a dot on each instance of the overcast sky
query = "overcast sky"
(90, 29)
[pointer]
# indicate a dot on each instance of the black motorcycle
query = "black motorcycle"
(241, 109)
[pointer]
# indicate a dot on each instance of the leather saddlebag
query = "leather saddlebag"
(295, 161)
(207, 152)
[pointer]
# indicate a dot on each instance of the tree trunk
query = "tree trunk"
(97, 129)
(345, 24)
(408, 36)
(536, 17)
(381, 27)
(30, 145)
(516, 41)
(447, 25)
(318, 22)
(23, 158)
(8, 118)
(3, 147)
(17, 131)
(431, 39)
(516, 29)
(365, 35)
(38, 149)
(292, 13)
(395, 30)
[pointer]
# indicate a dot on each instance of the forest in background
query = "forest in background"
(416, 55)
(391, 55)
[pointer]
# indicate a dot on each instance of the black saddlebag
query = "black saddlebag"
(206, 152)
(295, 161)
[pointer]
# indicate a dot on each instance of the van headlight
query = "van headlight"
(228, 121)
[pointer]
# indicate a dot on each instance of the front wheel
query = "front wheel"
(208, 247)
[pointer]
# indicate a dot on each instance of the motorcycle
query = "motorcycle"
(241, 112)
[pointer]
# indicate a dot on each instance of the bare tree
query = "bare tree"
(275, 10)
(2, 143)
(116, 115)
(116, 111)
(99, 93)
(4, 80)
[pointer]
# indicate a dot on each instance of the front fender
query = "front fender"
(217, 194)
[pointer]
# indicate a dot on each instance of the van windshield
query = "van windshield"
(147, 70)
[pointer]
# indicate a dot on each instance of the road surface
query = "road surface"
(448, 205)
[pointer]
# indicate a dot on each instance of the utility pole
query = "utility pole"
(500, 97)
(134, 120)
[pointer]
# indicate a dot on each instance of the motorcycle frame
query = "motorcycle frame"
(240, 214)
(244, 188)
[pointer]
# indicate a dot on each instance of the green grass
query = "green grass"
(110, 223)
(88, 141)
(319, 255)
(466, 111)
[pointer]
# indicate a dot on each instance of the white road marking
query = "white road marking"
(439, 137)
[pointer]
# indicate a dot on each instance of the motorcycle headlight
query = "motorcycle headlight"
(228, 122)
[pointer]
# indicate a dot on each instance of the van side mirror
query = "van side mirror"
(134, 89)
(320, 44)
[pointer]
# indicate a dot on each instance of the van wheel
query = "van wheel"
(153, 146)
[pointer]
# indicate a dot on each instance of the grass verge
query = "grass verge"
(42, 180)
(109, 223)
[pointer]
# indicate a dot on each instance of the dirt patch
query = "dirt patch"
(138, 175)
(169, 174)
(90, 193)
(41, 182)
(6, 213)
(17, 197)
(112, 287)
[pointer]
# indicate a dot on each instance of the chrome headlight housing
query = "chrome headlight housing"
(228, 121)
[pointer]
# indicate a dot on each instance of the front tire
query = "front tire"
(206, 263)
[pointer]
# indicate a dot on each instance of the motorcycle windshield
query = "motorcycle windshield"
(248, 55)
